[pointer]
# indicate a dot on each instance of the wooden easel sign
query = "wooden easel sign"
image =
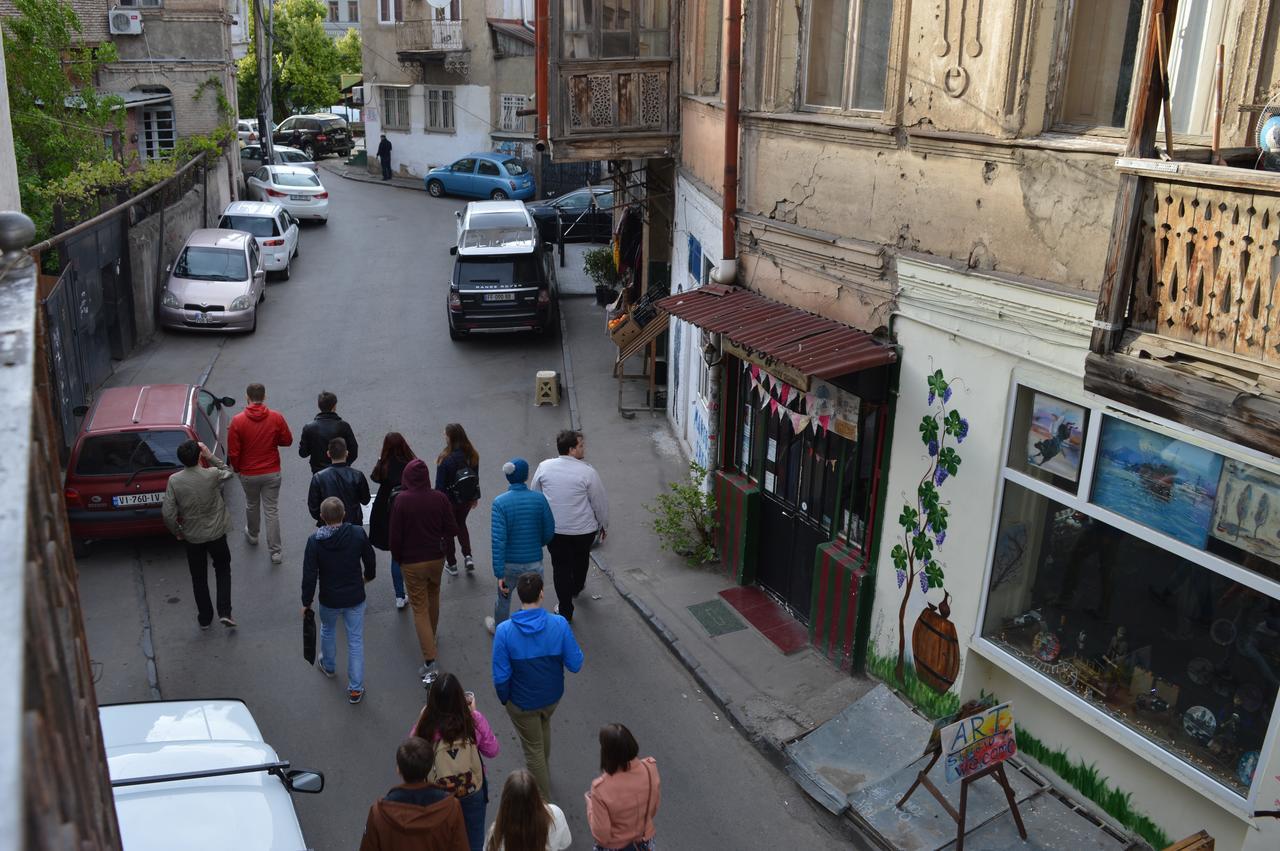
(972, 748)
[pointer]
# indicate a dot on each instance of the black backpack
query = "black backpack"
(465, 487)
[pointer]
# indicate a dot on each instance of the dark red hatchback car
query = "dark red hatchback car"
(127, 450)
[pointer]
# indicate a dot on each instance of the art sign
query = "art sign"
(1247, 513)
(978, 742)
(1056, 436)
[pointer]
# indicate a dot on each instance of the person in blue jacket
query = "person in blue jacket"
(530, 653)
(521, 525)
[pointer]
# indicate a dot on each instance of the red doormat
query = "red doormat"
(773, 621)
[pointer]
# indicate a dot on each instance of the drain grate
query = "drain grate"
(716, 617)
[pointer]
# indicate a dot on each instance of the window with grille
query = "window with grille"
(440, 111)
(157, 137)
(511, 120)
(395, 109)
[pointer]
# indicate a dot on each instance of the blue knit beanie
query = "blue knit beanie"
(516, 470)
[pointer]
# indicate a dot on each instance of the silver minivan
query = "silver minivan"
(215, 284)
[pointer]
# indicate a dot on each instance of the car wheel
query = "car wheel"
(254, 326)
(284, 275)
(435, 188)
(498, 195)
(310, 151)
(297, 249)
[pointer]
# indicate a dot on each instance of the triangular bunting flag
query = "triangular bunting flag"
(773, 405)
(799, 422)
(755, 373)
(825, 422)
(784, 393)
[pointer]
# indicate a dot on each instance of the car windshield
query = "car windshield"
(517, 269)
(289, 178)
(256, 225)
(211, 264)
(499, 221)
(515, 168)
(126, 453)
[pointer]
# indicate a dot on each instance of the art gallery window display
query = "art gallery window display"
(1137, 570)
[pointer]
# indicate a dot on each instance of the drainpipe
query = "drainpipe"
(542, 56)
(727, 271)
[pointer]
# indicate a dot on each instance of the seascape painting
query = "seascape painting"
(1248, 512)
(1157, 481)
(1055, 438)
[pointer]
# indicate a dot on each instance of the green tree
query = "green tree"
(60, 123)
(349, 47)
(305, 62)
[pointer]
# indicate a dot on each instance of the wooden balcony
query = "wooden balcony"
(1200, 340)
(614, 109)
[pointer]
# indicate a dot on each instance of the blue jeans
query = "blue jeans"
(473, 807)
(397, 578)
(353, 619)
(501, 604)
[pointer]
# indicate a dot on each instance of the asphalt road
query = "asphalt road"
(363, 316)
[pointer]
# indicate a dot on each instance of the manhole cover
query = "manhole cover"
(716, 617)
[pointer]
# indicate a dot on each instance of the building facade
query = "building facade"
(442, 84)
(1057, 490)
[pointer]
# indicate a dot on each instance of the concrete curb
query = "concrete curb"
(364, 177)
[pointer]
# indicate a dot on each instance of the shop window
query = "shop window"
(846, 58)
(1140, 576)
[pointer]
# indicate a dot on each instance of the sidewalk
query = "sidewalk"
(350, 172)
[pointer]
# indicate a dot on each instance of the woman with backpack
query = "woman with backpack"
(386, 473)
(525, 821)
(461, 736)
(624, 799)
(458, 475)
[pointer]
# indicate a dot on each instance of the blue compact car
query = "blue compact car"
(482, 175)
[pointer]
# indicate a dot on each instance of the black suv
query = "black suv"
(503, 292)
(320, 135)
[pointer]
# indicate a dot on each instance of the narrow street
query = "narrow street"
(363, 316)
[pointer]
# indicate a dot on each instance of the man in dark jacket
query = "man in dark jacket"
(325, 427)
(384, 154)
(416, 815)
(422, 532)
(335, 553)
(342, 480)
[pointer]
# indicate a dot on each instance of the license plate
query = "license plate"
(137, 499)
(299, 197)
(499, 296)
(202, 318)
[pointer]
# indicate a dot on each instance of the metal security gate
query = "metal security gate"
(561, 177)
(64, 356)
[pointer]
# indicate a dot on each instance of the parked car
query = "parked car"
(274, 227)
(247, 131)
(482, 175)
(320, 134)
(197, 774)
(215, 284)
(504, 278)
(127, 450)
(251, 157)
(585, 215)
(296, 189)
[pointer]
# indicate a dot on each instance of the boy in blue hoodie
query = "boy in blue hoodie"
(522, 524)
(530, 653)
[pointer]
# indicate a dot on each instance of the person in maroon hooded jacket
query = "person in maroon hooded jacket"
(423, 528)
(253, 450)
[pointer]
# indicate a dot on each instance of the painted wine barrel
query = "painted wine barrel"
(935, 648)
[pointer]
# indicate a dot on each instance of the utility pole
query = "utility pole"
(262, 49)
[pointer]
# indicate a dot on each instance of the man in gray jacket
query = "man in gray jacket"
(581, 509)
(196, 514)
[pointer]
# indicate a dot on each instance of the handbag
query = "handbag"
(309, 636)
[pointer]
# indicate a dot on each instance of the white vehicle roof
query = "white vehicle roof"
(252, 208)
(246, 811)
(276, 168)
(496, 227)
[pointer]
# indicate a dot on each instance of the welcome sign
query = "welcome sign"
(978, 742)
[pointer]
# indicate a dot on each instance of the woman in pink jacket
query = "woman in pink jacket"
(461, 736)
(624, 799)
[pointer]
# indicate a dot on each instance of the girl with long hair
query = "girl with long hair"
(458, 475)
(386, 473)
(525, 821)
(460, 736)
(623, 800)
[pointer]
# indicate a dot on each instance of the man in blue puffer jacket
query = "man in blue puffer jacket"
(530, 653)
(522, 524)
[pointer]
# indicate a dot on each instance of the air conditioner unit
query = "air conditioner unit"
(124, 21)
(357, 95)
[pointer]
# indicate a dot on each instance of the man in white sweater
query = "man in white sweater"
(581, 509)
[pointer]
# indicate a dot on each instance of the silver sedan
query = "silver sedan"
(296, 189)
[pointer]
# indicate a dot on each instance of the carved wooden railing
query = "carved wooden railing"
(1208, 259)
(600, 99)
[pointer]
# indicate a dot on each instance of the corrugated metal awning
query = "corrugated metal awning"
(806, 342)
(511, 28)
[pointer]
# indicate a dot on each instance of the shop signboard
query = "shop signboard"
(978, 742)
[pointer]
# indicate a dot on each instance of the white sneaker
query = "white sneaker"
(400, 602)
(252, 539)
(469, 562)
(277, 558)
(451, 569)
(490, 625)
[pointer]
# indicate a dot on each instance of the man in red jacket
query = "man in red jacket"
(253, 450)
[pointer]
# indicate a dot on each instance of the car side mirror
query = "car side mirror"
(301, 780)
(457, 214)
(227, 402)
(259, 275)
(80, 410)
(453, 250)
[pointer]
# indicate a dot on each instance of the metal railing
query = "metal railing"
(429, 35)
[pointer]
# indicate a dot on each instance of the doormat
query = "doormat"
(716, 618)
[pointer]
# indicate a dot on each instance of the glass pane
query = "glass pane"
(828, 47)
(872, 53)
(1048, 438)
(130, 452)
(655, 43)
(1179, 654)
(1104, 42)
(578, 21)
(615, 27)
(204, 430)
(653, 14)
